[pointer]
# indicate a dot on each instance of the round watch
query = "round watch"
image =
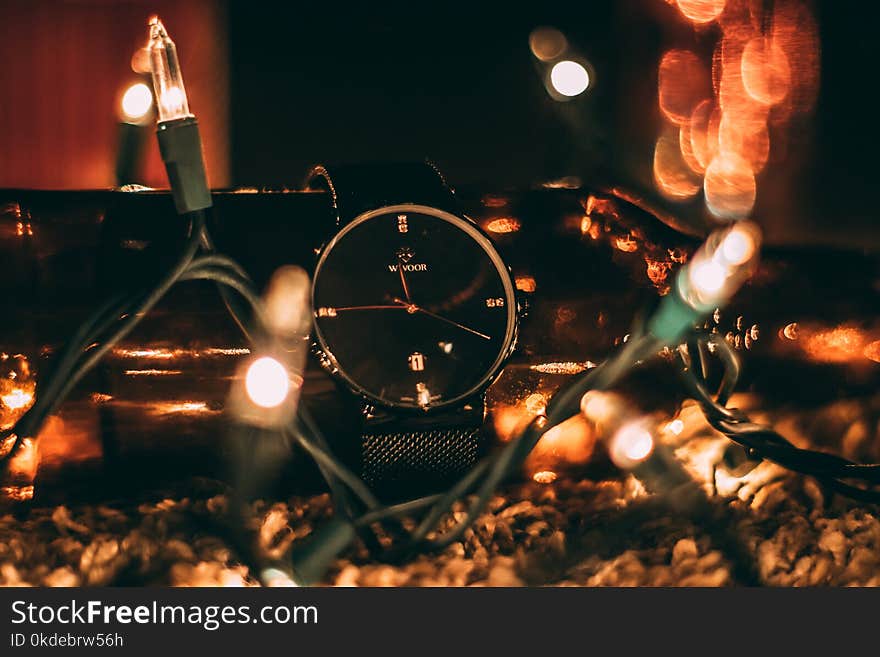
(415, 313)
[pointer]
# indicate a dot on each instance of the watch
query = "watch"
(416, 314)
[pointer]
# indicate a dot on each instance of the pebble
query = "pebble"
(573, 532)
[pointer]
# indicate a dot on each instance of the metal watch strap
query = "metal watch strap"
(403, 457)
(402, 463)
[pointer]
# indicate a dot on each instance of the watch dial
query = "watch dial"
(413, 307)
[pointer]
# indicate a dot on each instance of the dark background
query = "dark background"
(278, 87)
(456, 82)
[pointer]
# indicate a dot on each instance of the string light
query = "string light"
(178, 134)
(716, 271)
(172, 102)
(631, 445)
(273, 377)
(267, 382)
(288, 308)
(720, 266)
(269, 386)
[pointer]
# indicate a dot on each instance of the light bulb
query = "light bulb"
(738, 247)
(136, 103)
(288, 306)
(631, 444)
(602, 407)
(569, 78)
(170, 93)
(267, 382)
(707, 278)
(720, 266)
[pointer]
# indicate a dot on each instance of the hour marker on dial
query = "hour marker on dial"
(445, 347)
(423, 395)
(495, 302)
(416, 362)
(326, 312)
(402, 225)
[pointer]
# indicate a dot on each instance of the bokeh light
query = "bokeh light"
(136, 102)
(673, 176)
(683, 81)
(729, 186)
(751, 144)
(569, 78)
(766, 74)
(794, 31)
(631, 445)
(547, 43)
(701, 11)
(703, 133)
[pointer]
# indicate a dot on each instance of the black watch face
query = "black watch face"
(414, 307)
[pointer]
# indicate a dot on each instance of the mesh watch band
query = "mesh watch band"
(401, 464)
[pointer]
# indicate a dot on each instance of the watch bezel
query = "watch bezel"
(328, 361)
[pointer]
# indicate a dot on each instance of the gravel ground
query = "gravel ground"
(602, 531)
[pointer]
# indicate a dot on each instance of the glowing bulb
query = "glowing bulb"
(167, 78)
(631, 445)
(707, 277)
(738, 246)
(720, 266)
(601, 406)
(172, 101)
(267, 382)
(136, 103)
(569, 78)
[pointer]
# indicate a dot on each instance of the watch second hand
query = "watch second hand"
(412, 308)
(395, 307)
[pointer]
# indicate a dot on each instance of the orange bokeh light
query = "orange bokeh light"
(703, 133)
(568, 444)
(673, 176)
(764, 70)
(729, 187)
(685, 145)
(837, 345)
(683, 81)
(701, 11)
(751, 145)
(766, 74)
(794, 32)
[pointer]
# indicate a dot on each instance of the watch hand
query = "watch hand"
(385, 307)
(412, 308)
(403, 279)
